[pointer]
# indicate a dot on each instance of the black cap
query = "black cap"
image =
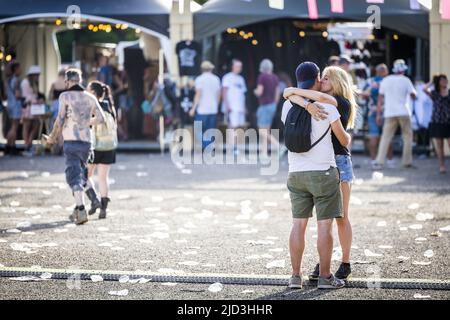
(306, 74)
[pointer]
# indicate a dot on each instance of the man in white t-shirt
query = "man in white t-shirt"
(395, 93)
(314, 182)
(233, 93)
(206, 101)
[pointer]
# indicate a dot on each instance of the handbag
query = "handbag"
(105, 134)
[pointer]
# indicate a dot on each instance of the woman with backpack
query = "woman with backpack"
(105, 145)
(336, 89)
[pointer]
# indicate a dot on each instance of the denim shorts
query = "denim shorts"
(265, 114)
(77, 155)
(345, 166)
(374, 130)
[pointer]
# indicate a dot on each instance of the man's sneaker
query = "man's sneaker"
(81, 216)
(295, 282)
(344, 272)
(391, 164)
(314, 276)
(377, 166)
(331, 283)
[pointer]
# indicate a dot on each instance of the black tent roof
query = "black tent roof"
(218, 15)
(151, 14)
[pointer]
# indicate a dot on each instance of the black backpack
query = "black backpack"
(297, 130)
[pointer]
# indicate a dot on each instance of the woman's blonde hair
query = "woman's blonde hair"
(342, 86)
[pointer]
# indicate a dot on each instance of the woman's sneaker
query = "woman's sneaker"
(295, 282)
(344, 272)
(330, 283)
(314, 276)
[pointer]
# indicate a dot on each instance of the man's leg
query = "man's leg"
(73, 172)
(325, 246)
(390, 126)
(407, 134)
(297, 244)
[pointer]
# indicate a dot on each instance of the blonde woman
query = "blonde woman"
(336, 89)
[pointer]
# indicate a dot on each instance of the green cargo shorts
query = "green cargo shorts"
(315, 188)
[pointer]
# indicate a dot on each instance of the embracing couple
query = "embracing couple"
(322, 176)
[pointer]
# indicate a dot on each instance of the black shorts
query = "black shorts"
(439, 130)
(104, 157)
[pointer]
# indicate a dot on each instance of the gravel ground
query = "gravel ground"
(222, 219)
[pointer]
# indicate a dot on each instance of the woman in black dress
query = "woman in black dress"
(105, 145)
(440, 120)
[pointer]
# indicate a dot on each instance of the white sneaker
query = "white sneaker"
(377, 166)
(391, 164)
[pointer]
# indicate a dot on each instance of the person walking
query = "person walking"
(105, 145)
(374, 130)
(206, 101)
(233, 97)
(395, 93)
(30, 90)
(313, 181)
(440, 120)
(268, 95)
(78, 111)
(14, 106)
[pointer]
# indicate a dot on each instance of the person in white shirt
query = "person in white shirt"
(206, 101)
(233, 94)
(395, 93)
(313, 181)
(233, 98)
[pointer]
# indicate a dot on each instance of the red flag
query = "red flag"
(337, 6)
(312, 9)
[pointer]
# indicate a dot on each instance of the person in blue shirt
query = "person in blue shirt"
(374, 130)
(105, 72)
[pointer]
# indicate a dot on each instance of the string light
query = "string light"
(279, 44)
(242, 33)
(124, 26)
(302, 34)
(8, 58)
(1, 55)
(137, 30)
(250, 34)
(325, 34)
(118, 26)
(230, 30)
(95, 29)
(58, 22)
(91, 26)
(254, 42)
(395, 36)
(108, 28)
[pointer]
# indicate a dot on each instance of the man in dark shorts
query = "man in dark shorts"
(78, 110)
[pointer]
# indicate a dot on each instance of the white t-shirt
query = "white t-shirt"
(321, 157)
(397, 91)
(209, 84)
(237, 88)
